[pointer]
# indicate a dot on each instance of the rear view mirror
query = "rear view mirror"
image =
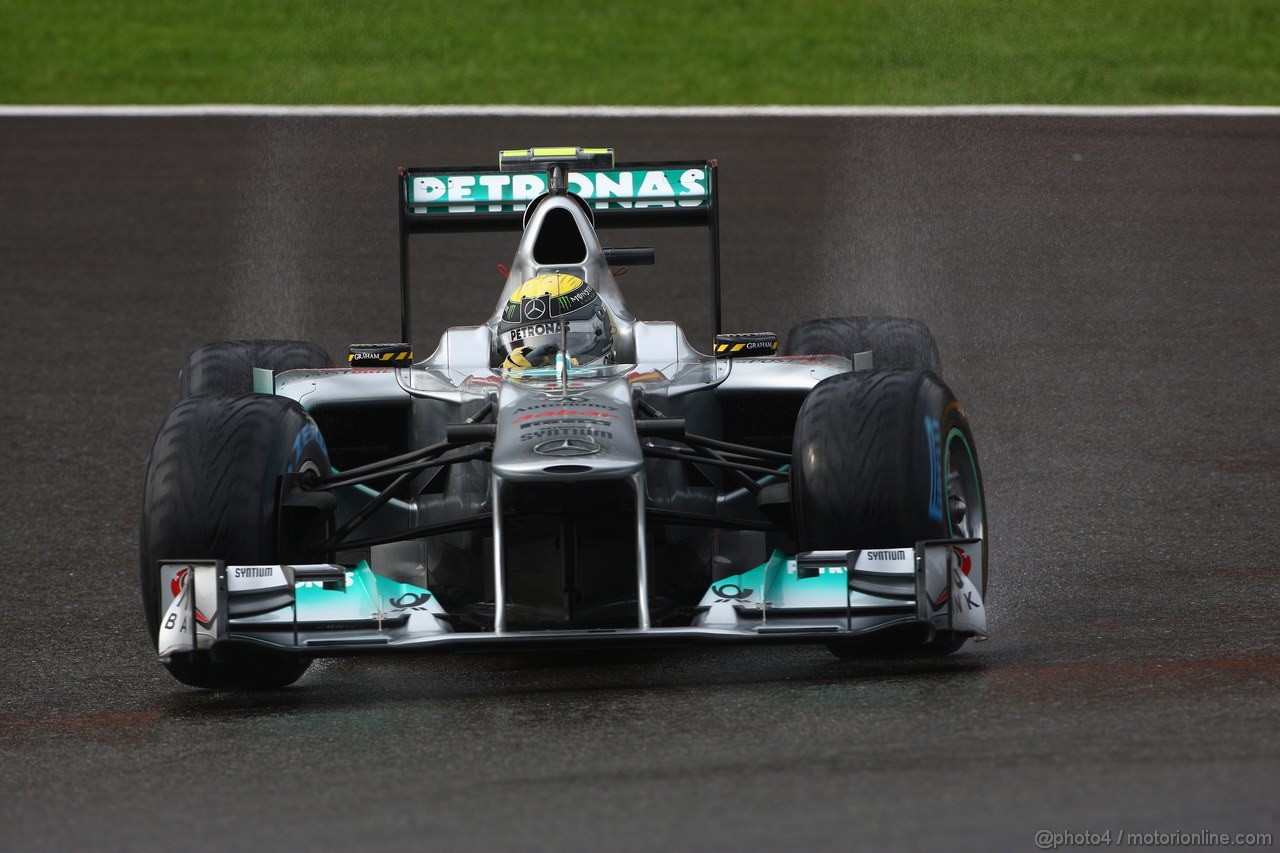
(632, 256)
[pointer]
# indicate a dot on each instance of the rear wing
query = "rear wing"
(623, 195)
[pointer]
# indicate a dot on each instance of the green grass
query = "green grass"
(636, 52)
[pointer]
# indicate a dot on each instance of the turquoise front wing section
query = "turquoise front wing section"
(777, 582)
(365, 596)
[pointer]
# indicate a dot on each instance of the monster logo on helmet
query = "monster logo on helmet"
(532, 329)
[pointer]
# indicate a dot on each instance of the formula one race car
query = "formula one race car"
(563, 475)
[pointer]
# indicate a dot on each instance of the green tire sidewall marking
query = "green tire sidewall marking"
(946, 472)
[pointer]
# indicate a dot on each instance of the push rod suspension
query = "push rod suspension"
(667, 453)
(345, 478)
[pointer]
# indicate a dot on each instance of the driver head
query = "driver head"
(531, 331)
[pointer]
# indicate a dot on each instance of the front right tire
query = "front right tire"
(212, 491)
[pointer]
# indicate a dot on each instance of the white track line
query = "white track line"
(395, 111)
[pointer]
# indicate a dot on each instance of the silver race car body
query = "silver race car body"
(639, 501)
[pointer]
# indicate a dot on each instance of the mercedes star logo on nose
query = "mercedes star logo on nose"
(567, 447)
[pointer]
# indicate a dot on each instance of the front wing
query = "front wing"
(817, 596)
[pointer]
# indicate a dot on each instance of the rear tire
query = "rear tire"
(225, 368)
(894, 342)
(884, 459)
(212, 491)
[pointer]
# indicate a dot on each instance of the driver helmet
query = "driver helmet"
(531, 331)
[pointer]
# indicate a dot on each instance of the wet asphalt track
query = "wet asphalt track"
(1105, 290)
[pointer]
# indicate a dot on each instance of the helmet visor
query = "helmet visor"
(538, 344)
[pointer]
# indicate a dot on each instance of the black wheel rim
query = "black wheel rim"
(966, 510)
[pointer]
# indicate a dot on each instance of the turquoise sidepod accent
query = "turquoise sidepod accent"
(264, 381)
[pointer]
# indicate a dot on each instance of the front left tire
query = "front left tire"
(884, 459)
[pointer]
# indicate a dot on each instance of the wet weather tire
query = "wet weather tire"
(894, 342)
(212, 491)
(883, 459)
(225, 368)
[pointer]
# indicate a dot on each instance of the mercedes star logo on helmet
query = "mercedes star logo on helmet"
(535, 309)
(567, 447)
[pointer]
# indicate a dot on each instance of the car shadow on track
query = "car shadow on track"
(353, 683)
